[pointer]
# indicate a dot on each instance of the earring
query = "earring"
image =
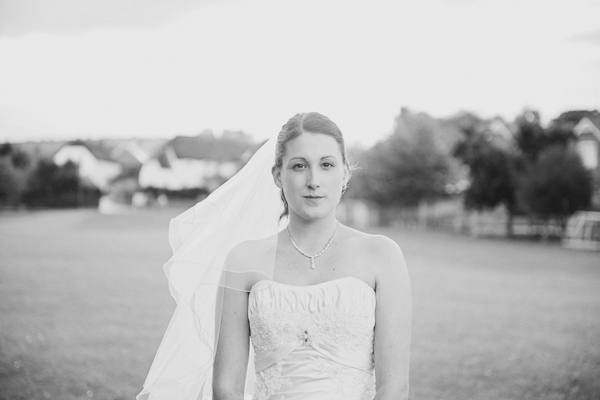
(344, 188)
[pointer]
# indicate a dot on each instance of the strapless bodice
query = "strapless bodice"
(313, 342)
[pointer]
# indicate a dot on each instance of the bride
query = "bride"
(299, 306)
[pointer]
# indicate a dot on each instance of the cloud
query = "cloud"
(590, 37)
(22, 17)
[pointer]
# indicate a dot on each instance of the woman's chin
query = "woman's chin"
(314, 213)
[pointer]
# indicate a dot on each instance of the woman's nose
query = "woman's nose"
(312, 180)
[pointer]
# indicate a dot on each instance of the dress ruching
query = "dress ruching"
(313, 342)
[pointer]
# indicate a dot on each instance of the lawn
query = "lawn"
(84, 304)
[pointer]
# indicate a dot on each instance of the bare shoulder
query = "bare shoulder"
(252, 250)
(249, 262)
(384, 254)
(379, 245)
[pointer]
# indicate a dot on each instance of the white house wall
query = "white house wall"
(97, 172)
(189, 174)
(588, 151)
(588, 141)
(184, 173)
(153, 175)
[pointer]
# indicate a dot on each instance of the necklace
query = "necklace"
(312, 258)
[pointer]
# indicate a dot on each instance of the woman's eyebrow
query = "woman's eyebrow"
(304, 159)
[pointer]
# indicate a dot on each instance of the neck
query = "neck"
(311, 236)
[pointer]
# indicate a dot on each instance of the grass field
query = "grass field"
(84, 304)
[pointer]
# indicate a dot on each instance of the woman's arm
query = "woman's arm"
(231, 359)
(392, 321)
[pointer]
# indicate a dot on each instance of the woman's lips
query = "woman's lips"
(313, 199)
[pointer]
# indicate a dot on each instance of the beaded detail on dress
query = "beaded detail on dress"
(313, 342)
(269, 381)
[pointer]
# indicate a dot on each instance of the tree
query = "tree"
(9, 185)
(531, 137)
(410, 166)
(491, 168)
(50, 185)
(557, 185)
(13, 174)
(492, 175)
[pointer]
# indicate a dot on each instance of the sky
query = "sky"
(155, 68)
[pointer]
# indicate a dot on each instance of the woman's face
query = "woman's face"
(312, 175)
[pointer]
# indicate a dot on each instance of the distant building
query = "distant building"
(587, 132)
(96, 166)
(129, 155)
(588, 142)
(195, 162)
(499, 133)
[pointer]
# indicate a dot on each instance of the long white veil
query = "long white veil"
(246, 207)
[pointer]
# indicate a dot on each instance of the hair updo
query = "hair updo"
(311, 122)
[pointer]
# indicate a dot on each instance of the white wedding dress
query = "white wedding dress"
(313, 342)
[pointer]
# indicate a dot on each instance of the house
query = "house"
(499, 134)
(96, 165)
(195, 162)
(130, 155)
(587, 132)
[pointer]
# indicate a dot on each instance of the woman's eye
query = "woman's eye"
(327, 165)
(299, 166)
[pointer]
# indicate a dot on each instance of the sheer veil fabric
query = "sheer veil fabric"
(246, 207)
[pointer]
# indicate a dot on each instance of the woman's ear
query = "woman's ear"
(276, 176)
(346, 175)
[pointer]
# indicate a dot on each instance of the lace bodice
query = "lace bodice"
(313, 342)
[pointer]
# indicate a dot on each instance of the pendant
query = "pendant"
(312, 263)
